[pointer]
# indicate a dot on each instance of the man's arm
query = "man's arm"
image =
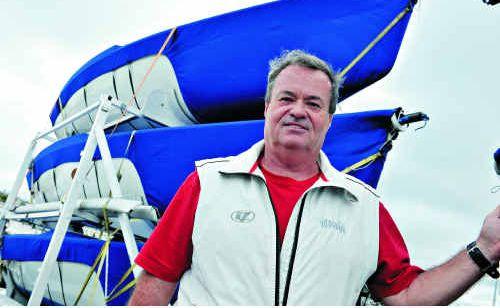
(447, 282)
(152, 291)
(440, 285)
(167, 253)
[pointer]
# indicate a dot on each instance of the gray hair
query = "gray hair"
(302, 58)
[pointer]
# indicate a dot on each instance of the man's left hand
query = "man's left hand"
(489, 237)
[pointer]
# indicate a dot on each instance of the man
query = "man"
(249, 229)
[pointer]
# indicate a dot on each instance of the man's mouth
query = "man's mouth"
(295, 125)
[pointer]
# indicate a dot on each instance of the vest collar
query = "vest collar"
(245, 163)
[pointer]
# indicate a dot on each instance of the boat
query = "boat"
(214, 70)
(124, 144)
(153, 179)
(23, 254)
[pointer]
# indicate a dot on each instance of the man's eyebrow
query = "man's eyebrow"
(286, 92)
(314, 97)
(290, 93)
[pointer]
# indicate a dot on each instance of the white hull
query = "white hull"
(159, 99)
(64, 284)
(54, 183)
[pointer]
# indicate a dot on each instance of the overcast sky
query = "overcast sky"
(437, 180)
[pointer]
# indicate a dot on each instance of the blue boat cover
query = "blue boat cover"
(164, 157)
(221, 62)
(75, 248)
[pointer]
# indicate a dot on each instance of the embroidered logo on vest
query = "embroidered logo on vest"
(332, 224)
(242, 216)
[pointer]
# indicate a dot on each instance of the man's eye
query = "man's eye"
(286, 99)
(314, 105)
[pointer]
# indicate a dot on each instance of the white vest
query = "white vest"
(236, 255)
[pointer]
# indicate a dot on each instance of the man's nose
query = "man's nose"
(298, 110)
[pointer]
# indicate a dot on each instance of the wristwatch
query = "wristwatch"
(482, 262)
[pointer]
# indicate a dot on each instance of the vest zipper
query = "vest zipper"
(278, 250)
(294, 249)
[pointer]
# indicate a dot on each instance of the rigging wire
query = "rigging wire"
(377, 39)
(146, 75)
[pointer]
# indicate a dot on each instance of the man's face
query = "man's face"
(297, 114)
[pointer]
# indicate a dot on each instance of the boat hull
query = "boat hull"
(24, 253)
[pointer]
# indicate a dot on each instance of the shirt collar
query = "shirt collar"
(246, 162)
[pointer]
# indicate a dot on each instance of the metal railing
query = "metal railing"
(72, 204)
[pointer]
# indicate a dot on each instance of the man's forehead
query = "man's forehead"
(298, 71)
(295, 77)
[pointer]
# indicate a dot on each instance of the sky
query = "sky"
(437, 181)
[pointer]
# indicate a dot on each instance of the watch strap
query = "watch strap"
(481, 261)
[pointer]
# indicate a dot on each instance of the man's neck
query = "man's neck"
(297, 164)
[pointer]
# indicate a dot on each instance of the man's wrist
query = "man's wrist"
(484, 247)
(482, 261)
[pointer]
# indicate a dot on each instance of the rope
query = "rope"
(105, 216)
(376, 40)
(125, 289)
(118, 172)
(105, 258)
(363, 162)
(98, 273)
(134, 95)
(104, 250)
(150, 69)
(112, 294)
(90, 273)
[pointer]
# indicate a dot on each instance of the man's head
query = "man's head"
(301, 58)
(298, 108)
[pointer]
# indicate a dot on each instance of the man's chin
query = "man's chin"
(294, 143)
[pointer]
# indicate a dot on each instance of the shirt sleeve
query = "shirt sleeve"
(167, 252)
(394, 271)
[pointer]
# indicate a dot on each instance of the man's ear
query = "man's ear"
(330, 118)
(266, 105)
